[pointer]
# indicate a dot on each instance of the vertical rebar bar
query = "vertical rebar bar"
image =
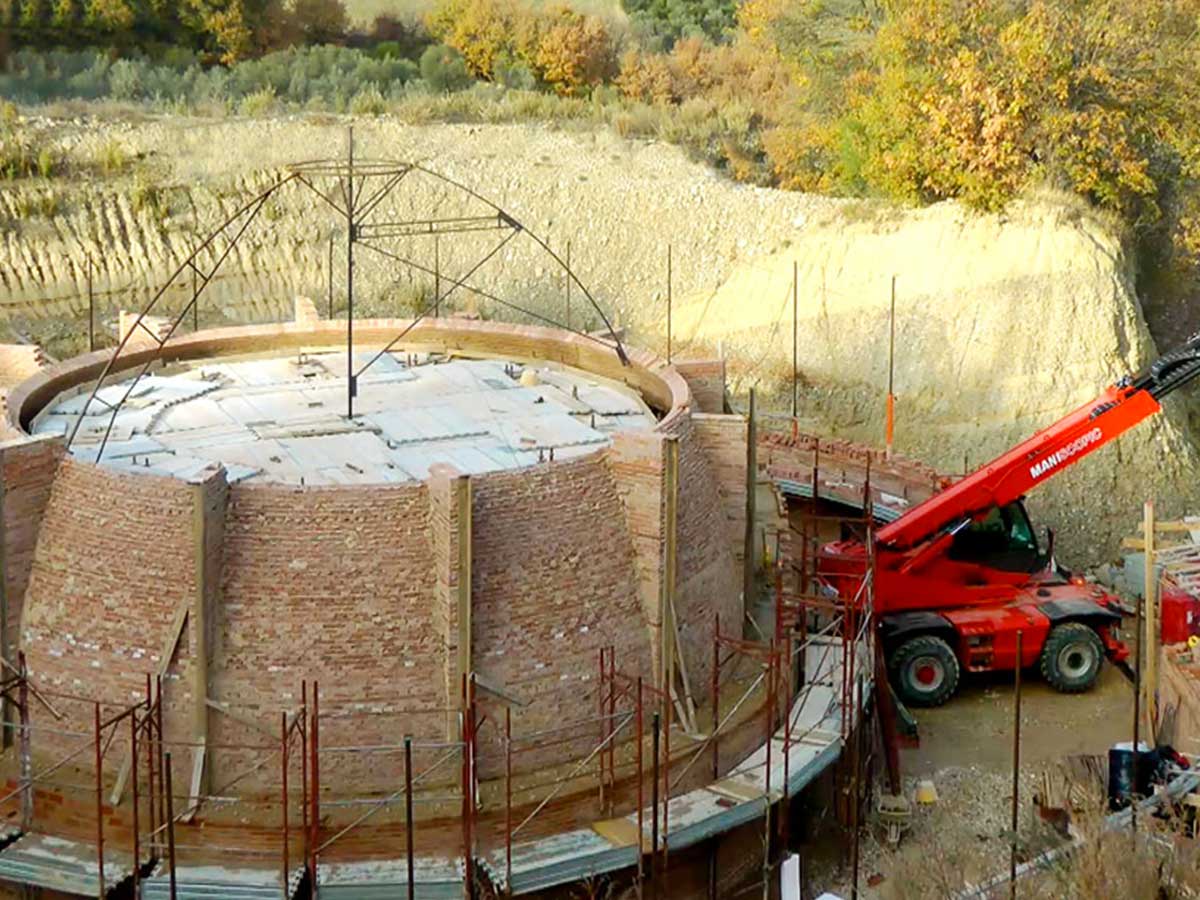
(891, 396)
(160, 747)
(1137, 713)
(666, 786)
(603, 725)
(640, 789)
(99, 804)
(1016, 773)
(769, 702)
(283, 749)
(716, 697)
(568, 286)
(469, 880)
(669, 303)
(314, 794)
(304, 788)
(784, 808)
(350, 236)
(855, 790)
(25, 744)
(795, 339)
(195, 299)
(437, 275)
(329, 276)
(133, 781)
(655, 724)
(612, 718)
(91, 308)
(150, 780)
(408, 818)
(170, 824)
(508, 800)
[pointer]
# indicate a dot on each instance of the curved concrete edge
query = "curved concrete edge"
(662, 386)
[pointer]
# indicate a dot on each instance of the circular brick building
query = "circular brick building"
(499, 505)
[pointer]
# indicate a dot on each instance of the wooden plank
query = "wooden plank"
(618, 832)
(1169, 527)
(164, 663)
(198, 754)
(736, 789)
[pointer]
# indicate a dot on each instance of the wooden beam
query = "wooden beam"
(164, 662)
(1169, 527)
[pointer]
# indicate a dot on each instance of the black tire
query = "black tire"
(925, 671)
(1071, 657)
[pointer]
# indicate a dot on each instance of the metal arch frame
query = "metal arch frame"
(250, 211)
(345, 172)
(336, 168)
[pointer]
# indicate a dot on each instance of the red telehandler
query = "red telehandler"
(957, 576)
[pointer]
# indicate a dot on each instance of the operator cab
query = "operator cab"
(1003, 539)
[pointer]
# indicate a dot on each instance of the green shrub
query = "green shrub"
(148, 198)
(111, 157)
(444, 69)
(260, 103)
(368, 102)
(38, 204)
(23, 153)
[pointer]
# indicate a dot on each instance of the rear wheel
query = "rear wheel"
(1071, 657)
(925, 671)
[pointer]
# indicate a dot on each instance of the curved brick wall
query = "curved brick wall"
(253, 588)
(110, 569)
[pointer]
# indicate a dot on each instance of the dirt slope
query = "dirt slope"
(1003, 323)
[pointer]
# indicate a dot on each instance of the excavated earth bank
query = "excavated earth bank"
(1002, 322)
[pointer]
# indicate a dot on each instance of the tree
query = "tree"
(485, 32)
(109, 17)
(575, 53)
(320, 21)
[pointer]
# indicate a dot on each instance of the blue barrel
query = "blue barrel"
(1121, 773)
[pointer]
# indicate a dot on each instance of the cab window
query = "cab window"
(1003, 538)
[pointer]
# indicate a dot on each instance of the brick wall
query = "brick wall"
(708, 580)
(723, 441)
(112, 566)
(706, 380)
(333, 584)
(637, 462)
(554, 580)
(28, 467)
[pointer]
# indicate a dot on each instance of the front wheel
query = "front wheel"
(925, 671)
(1071, 657)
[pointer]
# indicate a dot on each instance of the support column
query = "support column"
(450, 525)
(210, 492)
(751, 495)
(667, 634)
(462, 593)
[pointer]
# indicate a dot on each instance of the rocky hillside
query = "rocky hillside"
(1002, 322)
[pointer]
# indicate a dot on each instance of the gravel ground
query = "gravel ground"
(966, 749)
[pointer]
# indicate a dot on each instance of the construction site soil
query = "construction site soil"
(1003, 322)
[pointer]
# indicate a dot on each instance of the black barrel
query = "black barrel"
(1120, 773)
